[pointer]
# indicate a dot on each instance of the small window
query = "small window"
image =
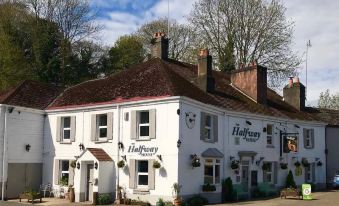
(268, 173)
(143, 124)
(308, 138)
(64, 172)
(208, 127)
(142, 173)
(66, 128)
(212, 171)
(102, 125)
(269, 139)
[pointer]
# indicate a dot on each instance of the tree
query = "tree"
(239, 32)
(327, 101)
(290, 183)
(181, 45)
(127, 50)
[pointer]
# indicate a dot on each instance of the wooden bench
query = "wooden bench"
(290, 192)
(30, 197)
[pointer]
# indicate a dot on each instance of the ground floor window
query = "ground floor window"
(212, 171)
(142, 173)
(309, 173)
(268, 172)
(64, 172)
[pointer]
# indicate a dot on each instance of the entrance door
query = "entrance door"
(89, 188)
(245, 174)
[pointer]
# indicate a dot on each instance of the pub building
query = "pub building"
(164, 121)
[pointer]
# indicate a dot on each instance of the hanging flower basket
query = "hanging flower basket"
(195, 161)
(265, 166)
(297, 164)
(121, 164)
(156, 165)
(319, 164)
(305, 163)
(235, 165)
(283, 166)
(73, 164)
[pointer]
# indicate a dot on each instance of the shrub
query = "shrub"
(140, 203)
(196, 200)
(63, 181)
(160, 202)
(104, 199)
(227, 189)
(290, 180)
(208, 188)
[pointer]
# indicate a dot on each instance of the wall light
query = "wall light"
(124, 157)
(178, 143)
(159, 157)
(248, 122)
(78, 165)
(28, 147)
(96, 165)
(81, 147)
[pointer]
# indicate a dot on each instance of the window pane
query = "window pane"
(103, 120)
(217, 174)
(143, 166)
(144, 131)
(208, 174)
(67, 122)
(208, 120)
(269, 129)
(143, 180)
(102, 132)
(64, 165)
(207, 133)
(269, 140)
(67, 134)
(144, 117)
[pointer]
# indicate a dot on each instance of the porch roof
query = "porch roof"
(212, 152)
(100, 154)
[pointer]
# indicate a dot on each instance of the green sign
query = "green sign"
(306, 188)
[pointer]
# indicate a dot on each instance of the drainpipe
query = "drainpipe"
(4, 156)
(118, 176)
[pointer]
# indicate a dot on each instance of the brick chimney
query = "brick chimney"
(294, 93)
(252, 81)
(205, 78)
(159, 45)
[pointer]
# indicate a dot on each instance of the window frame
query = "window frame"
(63, 129)
(139, 125)
(141, 173)
(271, 173)
(214, 162)
(208, 128)
(61, 171)
(270, 135)
(101, 127)
(309, 174)
(308, 138)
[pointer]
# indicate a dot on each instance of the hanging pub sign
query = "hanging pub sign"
(142, 150)
(245, 133)
(290, 144)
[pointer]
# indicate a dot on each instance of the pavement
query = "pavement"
(328, 198)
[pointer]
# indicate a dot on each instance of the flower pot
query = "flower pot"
(71, 194)
(177, 202)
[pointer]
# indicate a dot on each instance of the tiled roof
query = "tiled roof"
(329, 116)
(30, 94)
(159, 78)
(100, 154)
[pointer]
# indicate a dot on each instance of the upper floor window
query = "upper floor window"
(309, 138)
(143, 124)
(66, 128)
(212, 171)
(102, 125)
(270, 132)
(209, 127)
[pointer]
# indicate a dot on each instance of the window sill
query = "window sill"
(101, 141)
(141, 191)
(208, 141)
(140, 140)
(270, 146)
(65, 142)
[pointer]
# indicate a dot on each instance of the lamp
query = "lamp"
(28, 147)
(124, 157)
(81, 147)
(178, 111)
(10, 109)
(78, 165)
(248, 122)
(96, 165)
(178, 143)
(121, 145)
(297, 126)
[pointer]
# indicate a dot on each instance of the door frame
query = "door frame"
(89, 167)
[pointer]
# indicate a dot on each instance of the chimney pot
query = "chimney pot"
(204, 53)
(160, 45)
(290, 81)
(294, 93)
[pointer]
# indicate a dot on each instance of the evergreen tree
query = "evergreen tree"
(290, 180)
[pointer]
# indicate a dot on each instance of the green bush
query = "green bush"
(168, 203)
(160, 202)
(227, 190)
(196, 200)
(104, 199)
(290, 180)
(208, 188)
(140, 203)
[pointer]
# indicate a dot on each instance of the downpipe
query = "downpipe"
(4, 157)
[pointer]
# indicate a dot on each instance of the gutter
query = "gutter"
(4, 156)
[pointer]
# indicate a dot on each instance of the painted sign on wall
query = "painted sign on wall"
(246, 134)
(142, 150)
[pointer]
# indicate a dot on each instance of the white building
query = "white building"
(173, 113)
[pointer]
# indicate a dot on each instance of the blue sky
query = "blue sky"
(314, 19)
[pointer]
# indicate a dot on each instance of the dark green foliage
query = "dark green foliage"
(140, 203)
(104, 199)
(290, 180)
(227, 189)
(196, 200)
(208, 188)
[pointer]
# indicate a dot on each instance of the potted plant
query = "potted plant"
(234, 164)
(208, 188)
(176, 190)
(195, 161)
(283, 166)
(297, 164)
(265, 166)
(305, 163)
(160, 202)
(156, 165)
(121, 164)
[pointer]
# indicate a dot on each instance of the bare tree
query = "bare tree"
(327, 101)
(242, 31)
(181, 36)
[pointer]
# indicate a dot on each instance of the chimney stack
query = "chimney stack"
(205, 77)
(252, 81)
(160, 46)
(294, 93)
